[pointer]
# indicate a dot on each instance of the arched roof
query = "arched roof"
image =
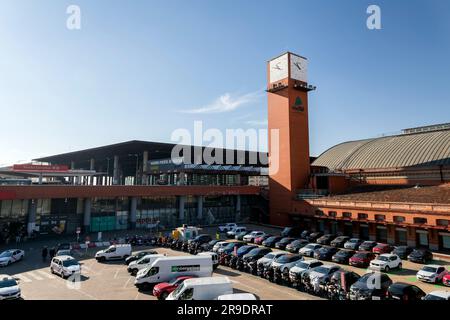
(405, 150)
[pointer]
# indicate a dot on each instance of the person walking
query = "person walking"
(44, 254)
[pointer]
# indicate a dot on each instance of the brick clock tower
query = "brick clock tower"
(288, 112)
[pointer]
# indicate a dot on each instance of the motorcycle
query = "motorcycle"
(285, 277)
(240, 265)
(268, 273)
(277, 277)
(260, 270)
(251, 267)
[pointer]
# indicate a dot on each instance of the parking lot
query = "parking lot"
(111, 281)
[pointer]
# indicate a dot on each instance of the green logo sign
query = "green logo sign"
(298, 105)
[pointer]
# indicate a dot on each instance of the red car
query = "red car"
(259, 240)
(446, 279)
(163, 289)
(361, 259)
(382, 248)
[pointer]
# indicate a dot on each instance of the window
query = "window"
(380, 217)
(319, 213)
(332, 214)
(347, 215)
(363, 216)
(188, 294)
(442, 222)
(419, 220)
(399, 219)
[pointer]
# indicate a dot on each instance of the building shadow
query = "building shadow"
(226, 272)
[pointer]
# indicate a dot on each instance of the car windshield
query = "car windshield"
(343, 253)
(287, 258)
(8, 283)
(230, 245)
(429, 269)
(383, 258)
(310, 246)
(323, 270)
(286, 240)
(255, 251)
(418, 252)
(400, 249)
(302, 265)
(244, 249)
(178, 289)
(273, 239)
(71, 262)
(433, 297)
(213, 242)
(6, 254)
(296, 242)
(269, 256)
(354, 240)
(360, 255)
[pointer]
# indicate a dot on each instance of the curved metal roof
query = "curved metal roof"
(406, 150)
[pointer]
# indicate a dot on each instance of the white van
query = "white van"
(143, 263)
(202, 289)
(167, 268)
(237, 296)
(114, 252)
(214, 257)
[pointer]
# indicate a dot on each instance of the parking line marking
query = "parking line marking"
(48, 275)
(117, 272)
(35, 276)
(128, 281)
(23, 278)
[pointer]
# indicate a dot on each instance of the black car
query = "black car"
(236, 256)
(326, 239)
(338, 242)
(283, 243)
(342, 256)
(270, 242)
(251, 258)
(371, 286)
(208, 245)
(229, 249)
(367, 246)
(312, 237)
(349, 278)
(291, 232)
(200, 239)
(138, 256)
(305, 234)
(405, 291)
(325, 253)
(296, 245)
(403, 251)
(420, 256)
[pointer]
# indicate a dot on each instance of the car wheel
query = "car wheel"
(134, 272)
(163, 296)
(387, 269)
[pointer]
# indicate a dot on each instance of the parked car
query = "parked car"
(265, 262)
(402, 251)
(163, 289)
(114, 252)
(431, 273)
(312, 237)
(325, 253)
(251, 258)
(381, 248)
(232, 233)
(339, 242)
(440, 295)
(208, 246)
(296, 272)
(353, 244)
(296, 245)
(326, 239)
(291, 232)
(282, 265)
(236, 261)
(367, 245)
(199, 240)
(371, 286)
(65, 266)
(349, 277)
(253, 235)
(420, 256)
(270, 242)
(229, 249)
(323, 273)
(386, 262)
(446, 279)
(227, 227)
(9, 288)
(361, 259)
(405, 291)
(220, 245)
(260, 240)
(304, 234)
(308, 250)
(240, 235)
(10, 256)
(283, 243)
(342, 256)
(139, 255)
(63, 253)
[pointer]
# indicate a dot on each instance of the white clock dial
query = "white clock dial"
(278, 68)
(299, 68)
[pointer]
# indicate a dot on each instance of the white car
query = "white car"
(309, 249)
(296, 271)
(253, 235)
(65, 266)
(219, 245)
(9, 288)
(227, 227)
(431, 273)
(270, 257)
(232, 233)
(10, 256)
(438, 295)
(385, 262)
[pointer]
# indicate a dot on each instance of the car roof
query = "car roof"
(402, 285)
(5, 277)
(388, 255)
(329, 266)
(65, 257)
(432, 265)
(440, 293)
(311, 261)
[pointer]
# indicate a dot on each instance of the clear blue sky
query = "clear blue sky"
(135, 66)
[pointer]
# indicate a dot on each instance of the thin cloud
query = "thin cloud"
(228, 102)
(257, 122)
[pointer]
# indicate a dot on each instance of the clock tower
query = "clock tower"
(287, 112)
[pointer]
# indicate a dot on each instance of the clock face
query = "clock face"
(299, 68)
(278, 68)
